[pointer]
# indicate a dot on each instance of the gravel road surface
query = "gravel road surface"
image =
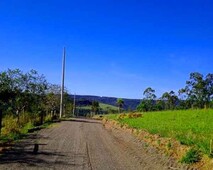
(84, 144)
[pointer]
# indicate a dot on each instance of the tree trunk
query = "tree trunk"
(0, 121)
(41, 117)
(18, 120)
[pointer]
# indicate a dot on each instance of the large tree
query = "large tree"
(209, 87)
(120, 104)
(149, 94)
(199, 90)
(170, 99)
(149, 100)
(95, 107)
(21, 92)
(52, 101)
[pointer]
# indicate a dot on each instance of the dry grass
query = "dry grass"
(129, 115)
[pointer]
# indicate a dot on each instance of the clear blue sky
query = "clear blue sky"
(114, 48)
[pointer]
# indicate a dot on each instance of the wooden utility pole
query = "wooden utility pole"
(62, 84)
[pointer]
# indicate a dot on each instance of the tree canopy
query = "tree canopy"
(120, 103)
(198, 93)
(29, 93)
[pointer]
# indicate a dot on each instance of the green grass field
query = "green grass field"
(107, 106)
(190, 127)
(103, 106)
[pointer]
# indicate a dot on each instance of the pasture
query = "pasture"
(189, 127)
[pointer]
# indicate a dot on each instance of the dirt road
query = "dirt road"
(84, 144)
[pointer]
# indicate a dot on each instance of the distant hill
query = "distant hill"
(86, 99)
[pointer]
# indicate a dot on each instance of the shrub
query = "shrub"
(121, 116)
(24, 119)
(134, 115)
(26, 127)
(192, 156)
(48, 118)
(10, 125)
(36, 120)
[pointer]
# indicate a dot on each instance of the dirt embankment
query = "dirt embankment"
(167, 146)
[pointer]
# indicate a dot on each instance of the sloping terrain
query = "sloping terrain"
(128, 103)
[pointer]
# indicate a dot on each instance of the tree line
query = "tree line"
(198, 93)
(29, 94)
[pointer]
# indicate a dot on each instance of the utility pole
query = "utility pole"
(74, 106)
(62, 84)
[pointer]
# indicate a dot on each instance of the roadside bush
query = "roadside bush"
(36, 120)
(121, 116)
(10, 125)
(130, 115)
(24, 119)
(48, 118)
(134, 115)
(26, 127)
(192, 156)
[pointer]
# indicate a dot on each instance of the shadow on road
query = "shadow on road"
(26, 158)
(21, 155)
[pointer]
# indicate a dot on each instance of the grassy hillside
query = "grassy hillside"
(128, 103)
(103, 106)
(190, 127)
(104, 109)
(107, 106)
